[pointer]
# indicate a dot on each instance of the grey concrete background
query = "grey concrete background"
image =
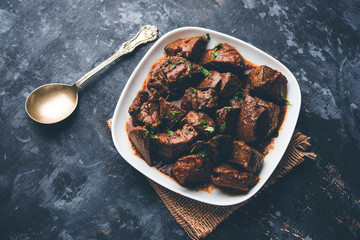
(68, 182)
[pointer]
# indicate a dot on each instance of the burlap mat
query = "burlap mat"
(199, 219)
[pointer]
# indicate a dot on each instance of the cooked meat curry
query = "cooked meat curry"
(208, 115)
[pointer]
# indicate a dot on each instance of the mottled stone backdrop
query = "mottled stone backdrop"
(68, 182)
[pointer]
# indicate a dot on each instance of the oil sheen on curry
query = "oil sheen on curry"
(207, 116)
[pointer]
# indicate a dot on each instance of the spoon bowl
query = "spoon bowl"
(52, 103)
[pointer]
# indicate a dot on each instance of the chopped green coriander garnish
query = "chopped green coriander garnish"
(168, 61)
(192, 150)
(180, 62)
(207, 37)
(146, 131)
(204, 71)
(173, 66)
(260, 100)
(214, 54)
(222, 127)
(286, 100)
(218, 46)
(154, 137)
(169, 132)
(167, 97)
(151, 133)
(174, 113)
(209, 129)
(239, 96)
(203, 122)
(228, 108)
(189, 75)
(192, 91)
(202, 154)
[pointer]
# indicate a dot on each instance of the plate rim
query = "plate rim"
(296, 109)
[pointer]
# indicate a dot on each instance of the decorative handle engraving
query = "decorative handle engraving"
(146, 34)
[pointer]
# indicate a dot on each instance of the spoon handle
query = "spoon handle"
(146, 34)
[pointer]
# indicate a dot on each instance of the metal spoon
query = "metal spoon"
(52, 103)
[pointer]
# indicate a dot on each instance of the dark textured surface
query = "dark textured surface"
(68, 181)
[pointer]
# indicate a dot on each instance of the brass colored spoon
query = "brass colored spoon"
(52, 103)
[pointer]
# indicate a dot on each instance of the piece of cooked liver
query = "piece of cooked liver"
(246, 157)
(170, 114)
(213, 80)
(202, 147)
(225, 176)
(230, 84)
(203, 124)
(198, 100)
(221, 148)
(180, 73)
(192, 169)
(141, 141)
(226, 119)
(269, 84)
(271, 124)
(145, 109)
(169, 147)
(190, 48)
(158, 81)
(227, 59)
(257, 119)
(218, 149)
(226, 84)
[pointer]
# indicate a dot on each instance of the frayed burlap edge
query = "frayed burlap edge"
(199, 219)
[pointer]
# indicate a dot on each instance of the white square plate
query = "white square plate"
(250, 53)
